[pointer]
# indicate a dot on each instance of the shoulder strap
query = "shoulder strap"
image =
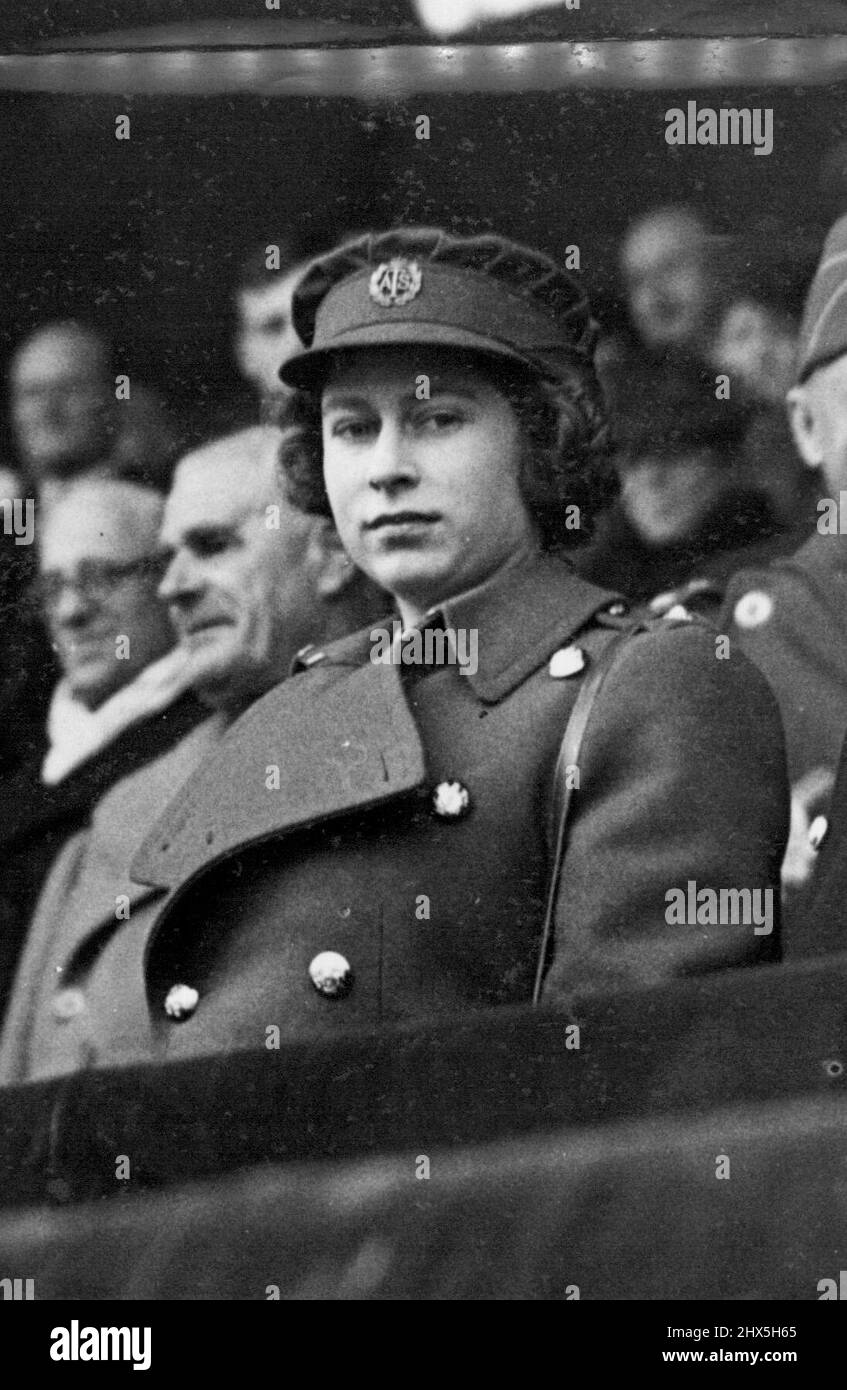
(562, 788)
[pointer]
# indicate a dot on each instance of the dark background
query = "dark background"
(144, 235)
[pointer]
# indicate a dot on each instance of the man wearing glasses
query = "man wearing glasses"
(123, 696)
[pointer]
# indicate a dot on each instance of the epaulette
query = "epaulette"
(307, 656)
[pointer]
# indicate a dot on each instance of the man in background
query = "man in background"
(265, 335)
(791, 617)
(123, 693)
(68, 418)
(248, 581)
(668, 267)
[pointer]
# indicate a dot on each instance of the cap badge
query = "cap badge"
(395, 282)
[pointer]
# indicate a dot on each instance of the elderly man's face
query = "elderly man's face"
(99, 567)
(61, 409)
(240, 589)
(266, 336)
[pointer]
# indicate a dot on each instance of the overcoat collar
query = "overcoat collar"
(337, 745)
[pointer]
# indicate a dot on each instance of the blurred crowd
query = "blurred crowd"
(158, 601)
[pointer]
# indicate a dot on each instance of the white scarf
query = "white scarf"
(77, 733)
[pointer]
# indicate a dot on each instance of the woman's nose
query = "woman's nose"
(391, 460)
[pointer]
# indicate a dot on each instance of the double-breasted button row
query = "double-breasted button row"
(331, 975)
(330, 972)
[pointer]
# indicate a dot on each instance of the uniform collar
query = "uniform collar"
(521, 615)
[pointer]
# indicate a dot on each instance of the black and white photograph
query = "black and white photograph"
(423, 666)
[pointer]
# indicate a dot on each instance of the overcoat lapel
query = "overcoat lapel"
(349, 740)
(350, 743)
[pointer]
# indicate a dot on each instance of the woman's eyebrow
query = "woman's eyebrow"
(335, 400)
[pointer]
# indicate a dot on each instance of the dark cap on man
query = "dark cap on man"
(823, 333)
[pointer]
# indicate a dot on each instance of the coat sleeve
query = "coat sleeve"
(682, 780)
(34, 966)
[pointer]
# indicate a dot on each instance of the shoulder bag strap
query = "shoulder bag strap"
(563, 790)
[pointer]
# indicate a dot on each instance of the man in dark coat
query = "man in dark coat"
(372, 843)
(689, 515)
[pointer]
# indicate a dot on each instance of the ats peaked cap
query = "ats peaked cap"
(422, 285)
(823, 334)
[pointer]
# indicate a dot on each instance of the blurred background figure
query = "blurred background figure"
(688, 514)
(123, 694)
(265, 336)
(756, 347)
(67, 418)
(249, 580)
(27, 671)
(669, 267)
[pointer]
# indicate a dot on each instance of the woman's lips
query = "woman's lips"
(392, 520)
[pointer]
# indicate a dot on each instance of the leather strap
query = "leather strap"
(563, 789)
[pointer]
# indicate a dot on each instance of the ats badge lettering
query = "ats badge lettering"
(395, 282)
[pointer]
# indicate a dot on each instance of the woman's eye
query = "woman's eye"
(438, 420)
(352, 429)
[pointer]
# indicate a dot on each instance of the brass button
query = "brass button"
(181, 1001)
(331, 974)
(451, 800)
(567, 661)
(68, 1004)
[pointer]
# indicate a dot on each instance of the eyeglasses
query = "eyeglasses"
(95, 580)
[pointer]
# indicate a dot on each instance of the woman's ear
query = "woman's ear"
(805, 427)
(331, 565)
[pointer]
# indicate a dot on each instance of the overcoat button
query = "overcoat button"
(181, 1002)
(451, 800)
(753, 609)
(567, 661)
(331, 974)
(817, 831)
(68, 1004)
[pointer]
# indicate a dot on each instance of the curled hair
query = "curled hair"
(566, 463)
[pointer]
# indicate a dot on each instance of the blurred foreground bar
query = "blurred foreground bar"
(728, 1041)
(631, 1212)
(303, 1170)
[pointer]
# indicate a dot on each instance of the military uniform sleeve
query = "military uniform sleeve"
(682, 784)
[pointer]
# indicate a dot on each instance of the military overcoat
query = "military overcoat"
(399, 819)
(790, 618)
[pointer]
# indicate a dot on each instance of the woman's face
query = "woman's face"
(424, 492)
